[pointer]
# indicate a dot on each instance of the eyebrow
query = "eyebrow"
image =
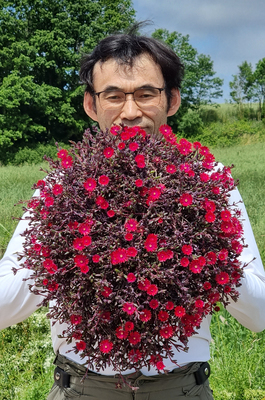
(146, 86)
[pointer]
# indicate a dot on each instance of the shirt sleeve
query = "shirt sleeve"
(16, 301)
(249, 309)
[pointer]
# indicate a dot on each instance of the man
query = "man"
(119, 74)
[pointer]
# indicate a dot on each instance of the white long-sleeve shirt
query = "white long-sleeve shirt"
(17, 302)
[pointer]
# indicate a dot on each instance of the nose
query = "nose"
(130, 110)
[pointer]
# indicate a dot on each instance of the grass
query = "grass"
(237, 354)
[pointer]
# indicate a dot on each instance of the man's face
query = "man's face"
(145, 72)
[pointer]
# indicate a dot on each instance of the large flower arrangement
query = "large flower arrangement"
(134, 238)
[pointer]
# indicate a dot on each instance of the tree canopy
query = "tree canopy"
(200, 85)
(41, 42)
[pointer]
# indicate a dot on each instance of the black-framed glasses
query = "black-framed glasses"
(114, 99)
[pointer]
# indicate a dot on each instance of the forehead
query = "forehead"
(144, 71)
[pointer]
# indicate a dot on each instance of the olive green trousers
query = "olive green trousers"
(178, 384)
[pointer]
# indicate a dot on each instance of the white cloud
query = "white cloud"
(230, 31)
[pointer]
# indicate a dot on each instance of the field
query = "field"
(238, 358)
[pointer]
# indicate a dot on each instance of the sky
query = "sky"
(229, 31)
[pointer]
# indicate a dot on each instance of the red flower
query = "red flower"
(207, 285)
(225, 215)
(213, 297)
(129, 308)
(186, 199)
(184, 146)
(81, 260)
(45, 282)
(204, 150)
(139, 158)
(139, 183)
(48, 201)
(169, 305)
(166, 332)
(131, 277)
(129, 326)
(184, 261)
(186, 249)
(237, 247)
(222, 278)
(106, 292)
(204, 177)
(73, 225)
(132, 252)
(145, 315)
(211, 258)
(67, 162)
(128, 237)
(215, 189)
(103, 180)
(78, 244)
(199, 303)
(164, 255)
(119, 256)
(133, 146)
(151, 242)
(115, 129)
(153, 304)
(105, 346)
(131, 225)
(163, 316)
(160, 365)
(135, 355)
(90, 184)
(75, 319)
(210, 217)
(86, 240)
(96, 258)
(121, 145)
(144, 285)
(80, 345)
(166, 130)
(110, 213)
(171, 169)
(108, 152)
(105, 316)
(57, 189)
(84, 228)
(223, 254)
(125, 135)
(120, 333)
(52, 286)
(152, 290)
(209, 205)
(45, 251)
(179, 311)
(154, 193)
(134, 337)
(195, 266)
(62, 153)
(50, 266)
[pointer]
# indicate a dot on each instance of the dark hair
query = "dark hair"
(124, 48)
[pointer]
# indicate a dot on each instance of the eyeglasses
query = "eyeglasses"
(115, 99)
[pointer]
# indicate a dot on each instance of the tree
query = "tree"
(259, 79)
(41, 42)
(199, 87)
(249, 85)
(242, 84)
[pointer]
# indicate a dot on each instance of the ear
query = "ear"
(175, 101)
(89, 106)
